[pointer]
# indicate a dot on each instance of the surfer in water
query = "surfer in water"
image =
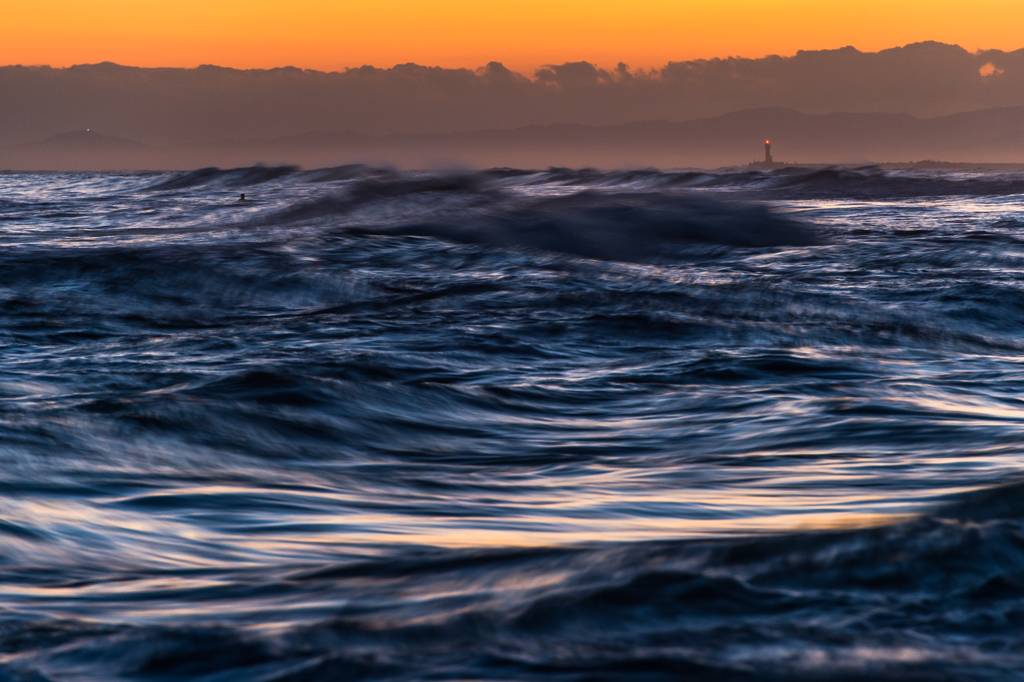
(242, 198)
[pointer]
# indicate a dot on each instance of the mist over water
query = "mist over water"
(511, 425)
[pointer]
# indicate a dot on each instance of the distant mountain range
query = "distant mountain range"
(985, 136)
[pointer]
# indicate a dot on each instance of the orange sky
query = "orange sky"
(523, 34)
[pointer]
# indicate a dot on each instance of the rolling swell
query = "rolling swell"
(621, 226)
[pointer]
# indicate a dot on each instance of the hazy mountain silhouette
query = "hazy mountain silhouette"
(81, 150)
(989, 135)
(83, 139)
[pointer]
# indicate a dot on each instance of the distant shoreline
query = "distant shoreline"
(893, 165)
(950, 165)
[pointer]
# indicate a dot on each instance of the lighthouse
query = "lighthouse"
(769, 162)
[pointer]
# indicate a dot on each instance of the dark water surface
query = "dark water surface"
(561, 425)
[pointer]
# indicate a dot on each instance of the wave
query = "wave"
(631, 227)
(350, 172)
(236, 177)
(1000, 502)
(875, 183)
(793, 182)
(869, 182)
(930, 599)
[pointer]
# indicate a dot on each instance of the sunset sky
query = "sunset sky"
(524, 34)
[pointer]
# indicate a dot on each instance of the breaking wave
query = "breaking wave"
(633, 227)
(237, 177)
(625, 227)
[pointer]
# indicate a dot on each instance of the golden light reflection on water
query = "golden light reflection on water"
(596, 531)
(231, 538)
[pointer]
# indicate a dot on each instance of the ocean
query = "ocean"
(567, 425)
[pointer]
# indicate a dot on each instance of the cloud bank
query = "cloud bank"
(192, 106)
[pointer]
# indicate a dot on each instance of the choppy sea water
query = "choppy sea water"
(560, 425)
